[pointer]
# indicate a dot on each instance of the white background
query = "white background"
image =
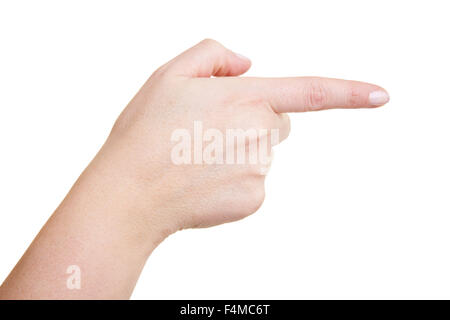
(357, 201)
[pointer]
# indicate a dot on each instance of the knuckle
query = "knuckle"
(354, 97)
(258, 198)
(259, 105)
(255, 199)
(267, 122)
(316, 94)
(210, 43)
(264, 113)
(256, 112)
(285, 127)
(161, 72)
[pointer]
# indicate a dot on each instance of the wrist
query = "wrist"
(109, 192)
(99, 228)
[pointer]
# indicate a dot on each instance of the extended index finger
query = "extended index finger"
(299, 94)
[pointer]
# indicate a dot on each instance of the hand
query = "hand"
(178, 196)
(136, 191)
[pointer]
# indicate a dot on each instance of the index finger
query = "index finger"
(299, 94)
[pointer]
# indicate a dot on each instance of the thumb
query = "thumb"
(208, 58)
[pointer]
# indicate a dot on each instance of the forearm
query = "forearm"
(97, 228)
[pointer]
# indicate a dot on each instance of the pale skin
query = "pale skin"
(132, 196)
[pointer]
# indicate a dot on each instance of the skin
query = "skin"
(132, 196)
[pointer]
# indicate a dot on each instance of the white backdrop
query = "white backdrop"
(357, 201)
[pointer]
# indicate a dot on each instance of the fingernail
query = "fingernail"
(242, 57)
(378, 98)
